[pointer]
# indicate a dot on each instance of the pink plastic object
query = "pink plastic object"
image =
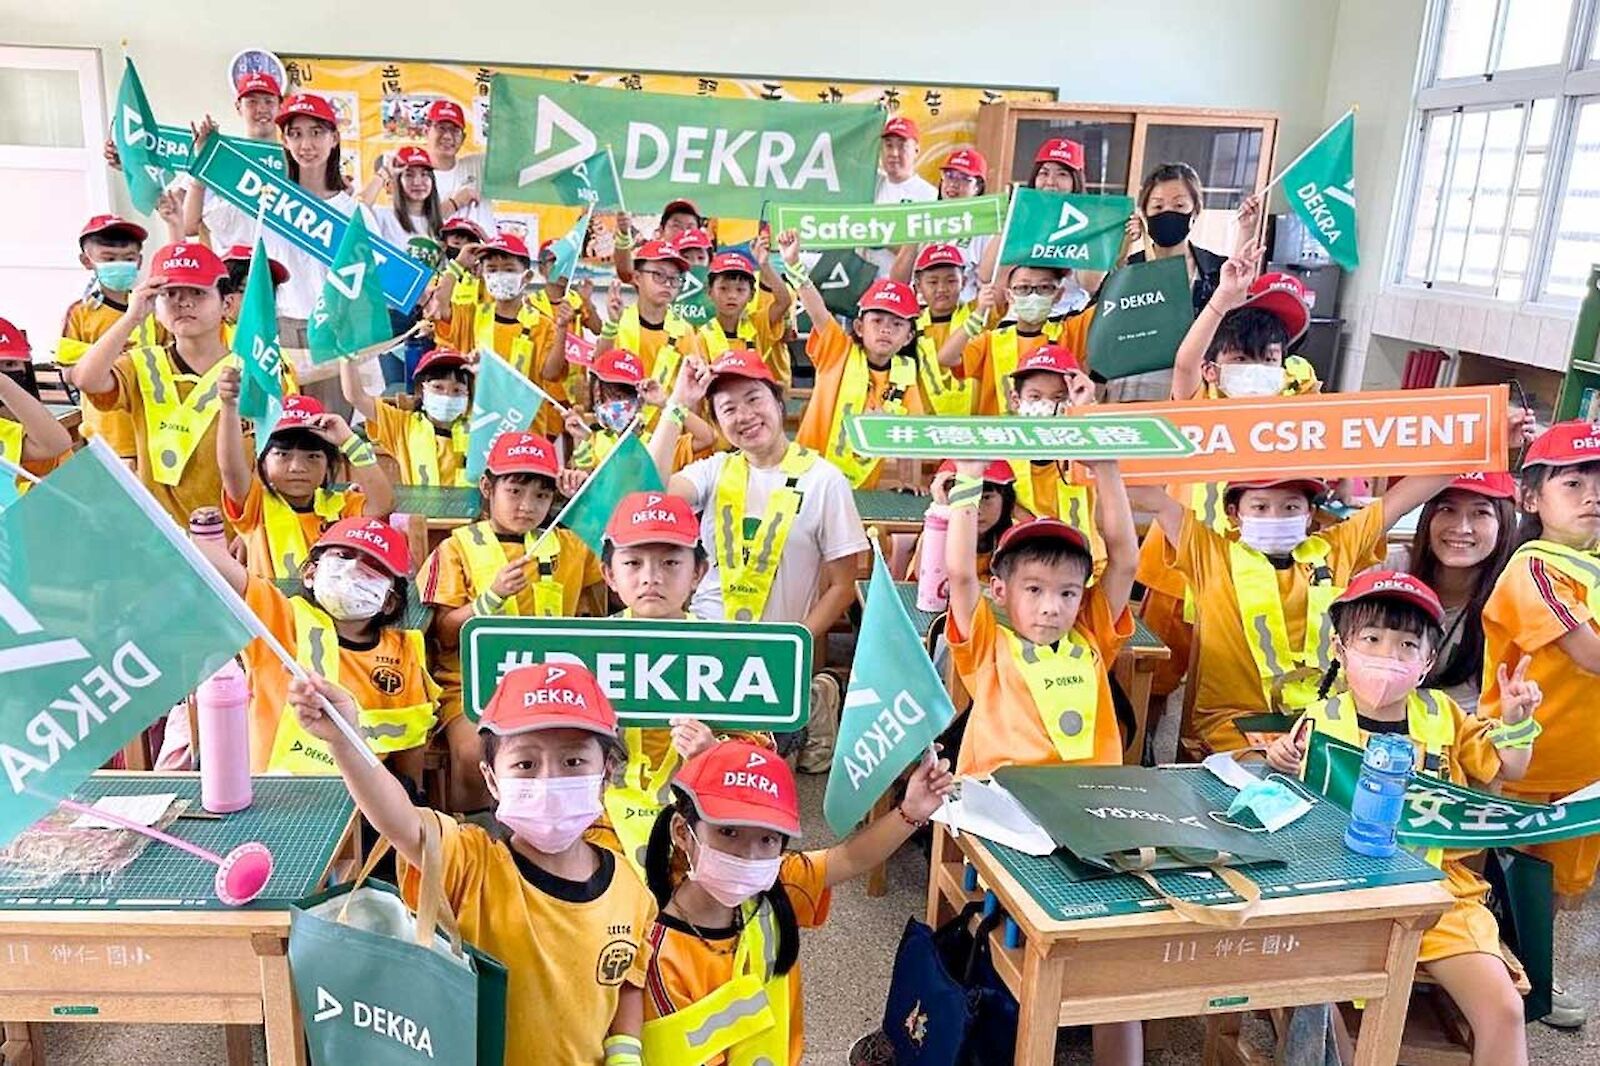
(933, 583)
(221, 706)
(241, 874)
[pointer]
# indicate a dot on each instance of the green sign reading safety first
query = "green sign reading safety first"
(728, 675)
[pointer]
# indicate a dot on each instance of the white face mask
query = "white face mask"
(1033, 307)
(345, 592)
(1250, 379)
(1037, 408)
(504, 284)
(1274, 536)
(443, 408)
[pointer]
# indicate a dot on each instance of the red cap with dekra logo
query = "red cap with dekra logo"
(731, 263)
(257, 82)
(438, 359)
(653, 518)
(998, 471)
(900, 126)
(1565, 444)
(1048, 358)
(548, 696)
(1282, 296)
(13, 342)
(693, 238)
(412, 156)
(1397, 584)
(940, 255)
(895, 297)
(1312, 486)
(311, 106)
(736, 782)
(507, 244)
(522, 453)
(618, 366)
(189, 266)
(299, 412)
(1043, 528)
(742, 363)
(241, 253)
(1061, 150)
(660, 252)
(447, 111)
(1496, 486)
(968, 161)
(374, 538)
(463, 224)
(106, 225)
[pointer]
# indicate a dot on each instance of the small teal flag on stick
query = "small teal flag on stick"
(628, 468)
(570, 247)
(1321, 187)
(592, 183)
(351, 313)
(255, 341)
(134, 132)
(503, 401)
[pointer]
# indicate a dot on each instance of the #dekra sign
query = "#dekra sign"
(729, 675)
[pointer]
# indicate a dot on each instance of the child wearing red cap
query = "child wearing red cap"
(31, 438)
(506, 564)
(1262, 589)
(872, 368)
(1388, 632)
(257, 99)
(112, 249)
(620, 393)
(650, 328)
(997, 510)
(343, 624)
(563, 916)
(169, 391)
(936, 275)
(678, 218)
(487, 306)
(428, 436)
(284, 502)
(1545, 607)
(723, 980)
(748, 315)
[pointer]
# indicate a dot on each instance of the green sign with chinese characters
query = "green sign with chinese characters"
(886, 225)
(1074, 437)
(729, 675)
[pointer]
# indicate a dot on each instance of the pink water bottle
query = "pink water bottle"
(222, 708)
(933, 583)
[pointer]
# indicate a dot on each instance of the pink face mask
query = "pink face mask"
(549, 813)
(1378, 680)
(729, 879)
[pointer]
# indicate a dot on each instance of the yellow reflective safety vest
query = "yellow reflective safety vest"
(943, 390)
(855, 386)
(1429, 723)
(520, 357)
(716, 341)
(1004, 357)
(423, 448)
(11, 451)
(146, 334)
(385, 729)
(173, 425)
(665, 366)
(746, 567)
(747, 1019)
(1290, 677)
(485, 557)
(286, 537)
(1582, 567)
(1065, 686)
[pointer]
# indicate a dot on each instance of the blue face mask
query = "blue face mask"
(1267, 805)
(117, 277)
(616, 415)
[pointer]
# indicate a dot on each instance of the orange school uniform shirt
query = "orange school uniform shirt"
(389, 429)
(1005, 727)
(87, 320)
(200, 484)
(768, 339)
(1229, 682)
(247, 518)
(568, 947)
(1071, 333)
(460, 332)
(684, 969)
(829, 348)
(384, 674)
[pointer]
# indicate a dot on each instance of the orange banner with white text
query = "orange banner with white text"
(1332, 435)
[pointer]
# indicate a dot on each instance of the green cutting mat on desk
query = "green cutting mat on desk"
(1318, 862)
(299, 819)
(439, 501)
(887, 505)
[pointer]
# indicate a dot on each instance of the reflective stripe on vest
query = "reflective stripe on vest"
(1004, 349)
(715, 340)
(1582, 567)
(286, 535)
(942, 389)
(174, 426)
(1289, 678)
(1205, 500)
(11, 451)
(485, 556)
(630, 334)
(748, 1017)
(385, 729)
(422, 449)
(746, 567)
(1065, 686)
(1073, 504)
(146, 334)
(1428, 723)
(855, 397)
(521, 354)
(634, 805)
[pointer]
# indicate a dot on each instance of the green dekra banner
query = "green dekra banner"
(175, 148)
(693, 304)
(886, 225)
(728, 156)
(731, 675)
(1143, 311)
(1065, 230)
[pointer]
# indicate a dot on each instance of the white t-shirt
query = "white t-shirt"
(828, 527)
(448, 181)
(914, 190)
(390, 229)
(297, 296)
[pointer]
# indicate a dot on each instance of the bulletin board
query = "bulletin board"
(381, 104)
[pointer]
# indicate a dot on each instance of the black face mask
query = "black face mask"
(451, 251)
(1168, 228)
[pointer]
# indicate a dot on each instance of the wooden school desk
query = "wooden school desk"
(445, 507)
(1331, 926)
(70, 417)
(151, 943)
(891, 511)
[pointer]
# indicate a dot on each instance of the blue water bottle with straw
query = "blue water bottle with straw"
(1380, 795)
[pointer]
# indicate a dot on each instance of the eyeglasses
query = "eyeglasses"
(1033, 290)
(670, 281)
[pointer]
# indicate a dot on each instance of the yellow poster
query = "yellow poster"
(381, 104)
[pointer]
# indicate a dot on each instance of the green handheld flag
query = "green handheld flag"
(100, 633)
(134, 131)
(591, 183)
(350, 314)
(503, 401)
(693, 304)
(569, 248)
(1321, 187)
(894, 709)
(841, 277)
(255, 342)
(1144, 309)
(628, 468)
(1063, 230)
